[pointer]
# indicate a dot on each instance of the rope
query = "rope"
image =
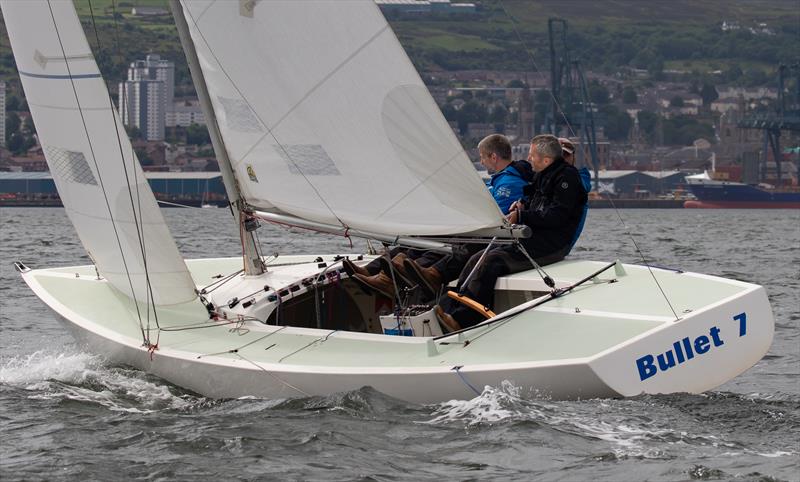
(572, 132)
(236, 350)
(644, 260)
(463, 379)
(273, 375)
(136, 207)
(318, 340)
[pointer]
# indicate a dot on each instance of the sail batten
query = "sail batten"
(336, 127)
(99, 180)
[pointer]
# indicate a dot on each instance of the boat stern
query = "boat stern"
(695, 353)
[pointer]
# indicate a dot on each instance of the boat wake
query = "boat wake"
(646, 427)
(82, 377)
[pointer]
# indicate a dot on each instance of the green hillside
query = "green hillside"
(512, 35)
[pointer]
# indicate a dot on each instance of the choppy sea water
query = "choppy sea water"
(67, 414)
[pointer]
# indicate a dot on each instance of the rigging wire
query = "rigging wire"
(572, 132)
(97, 169)
(136, 206)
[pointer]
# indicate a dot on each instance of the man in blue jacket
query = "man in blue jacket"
(508, 178)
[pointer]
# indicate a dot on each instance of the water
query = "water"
(66, 414)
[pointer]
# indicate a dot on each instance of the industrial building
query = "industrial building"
(189, 188)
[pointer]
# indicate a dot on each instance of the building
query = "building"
(139, 11)
(2, 114)
(423, 7)
(181, 187)
(184, 113)
(627, 184)
(147, 95)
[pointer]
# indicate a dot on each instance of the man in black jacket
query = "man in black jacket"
(552, 208)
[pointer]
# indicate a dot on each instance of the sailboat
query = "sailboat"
(320, 121)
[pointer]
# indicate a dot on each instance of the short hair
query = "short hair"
(547, 145)
(496, 144)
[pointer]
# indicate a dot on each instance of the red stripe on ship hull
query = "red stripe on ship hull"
(740, 205)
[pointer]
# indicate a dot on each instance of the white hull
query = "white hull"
(427, 374)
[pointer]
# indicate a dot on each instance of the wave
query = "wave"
(648, 426)
(82, 377)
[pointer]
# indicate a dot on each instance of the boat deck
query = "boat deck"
(591, 319)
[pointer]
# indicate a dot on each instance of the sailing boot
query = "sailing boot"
(397, 264)
(446, 319)
(381, 283)
(429, 279)
(397, 268)
(352, 269)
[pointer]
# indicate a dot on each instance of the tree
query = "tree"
(618, 123)
(16, 143)
(133, 132)
(498, 115)
(197, 135)
(648, 122)
(470, 112)
(629, 96)
(598, 93)
(28, 127)
(709, 94)
(12, 103)
(12, 124)
(516, 83)
(676, 101)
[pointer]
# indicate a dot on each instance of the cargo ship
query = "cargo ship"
(714, 193)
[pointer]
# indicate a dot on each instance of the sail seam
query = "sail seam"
(60, 77)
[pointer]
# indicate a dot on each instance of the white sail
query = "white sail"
(91, 160)
(325, 118)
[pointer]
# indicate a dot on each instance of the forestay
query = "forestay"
(325, 118)
(91, 160)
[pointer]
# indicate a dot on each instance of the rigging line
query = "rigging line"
(536, 67)
(273, 375)
(138, 204)
(572, 131)
(235, 350)
(318, 340)
(205, 290)
(457, 369)
(97, 168)
(177, 205)
(270, 131)
(213, 325)
(644, 260)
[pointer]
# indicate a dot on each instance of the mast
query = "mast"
(252, 260)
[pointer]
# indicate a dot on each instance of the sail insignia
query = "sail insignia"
(70, 165)
(239, 116)
(246, 8)
(308, 159)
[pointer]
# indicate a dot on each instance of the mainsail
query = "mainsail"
(325, 118)
(91, 160)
